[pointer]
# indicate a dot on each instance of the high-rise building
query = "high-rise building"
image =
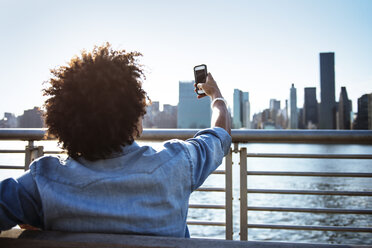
(293, 123)
(274, 111)
(192, 112)
(155, 118)
(32, 118)
(364, 112)
(274, 104)
(327, 91)
(246, 110)
(310, 109)
(237, 118)
(242, 111)
(344, 109)
(370, 111)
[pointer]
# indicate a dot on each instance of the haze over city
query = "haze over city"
(257, 46)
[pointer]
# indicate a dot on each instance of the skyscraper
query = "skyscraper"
(192, 112)
(310, 110)
(364, 112)
(246, 110)
(327, 91)
(237, 118)
(293, 124)
(241, 116)
(274, 104)
(344, 109)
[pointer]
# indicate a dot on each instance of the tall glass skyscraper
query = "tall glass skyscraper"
(293, 124)
(241, 110)
(192, 112)
(327, 91)
(237, 118)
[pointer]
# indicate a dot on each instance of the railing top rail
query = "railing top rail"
(238, 135)
(22, 133)
(303, 136)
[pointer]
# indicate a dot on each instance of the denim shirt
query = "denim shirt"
(138, 191)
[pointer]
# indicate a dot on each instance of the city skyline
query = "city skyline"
(189, 113)
(261, 47)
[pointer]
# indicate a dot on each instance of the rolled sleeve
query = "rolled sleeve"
(206, 150)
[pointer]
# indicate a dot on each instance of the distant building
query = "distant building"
(327, 91)
(363, 120)
(192, 112)
(237, 114)
(300, 123)
(370, 111)
(344, 110)
(274, 104)
(310, 109)
(168, 117)
(9, 121)
(242, 111)
(275, 112)
(293, 123)
(246, 110)
(32, 118)
(155, 118)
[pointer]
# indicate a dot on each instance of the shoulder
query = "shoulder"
(212, 137)
(46, 164)
(217, 132)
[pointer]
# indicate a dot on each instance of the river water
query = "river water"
(272, 182)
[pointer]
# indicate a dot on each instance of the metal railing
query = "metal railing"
(245, 136)
(314, 137)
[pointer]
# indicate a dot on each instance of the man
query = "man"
(109, 183)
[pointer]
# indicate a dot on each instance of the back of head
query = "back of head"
(95, 102)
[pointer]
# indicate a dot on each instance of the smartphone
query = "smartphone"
(200, 73)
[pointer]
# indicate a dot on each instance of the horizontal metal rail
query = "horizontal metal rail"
(219, 172)
(205, 223)
(312, 228)
(207, 206)
(11, 167)
(211, 189)
(55, 152)
(312, 210)
(238, 135)
(12, 151)
(308, 174)
(300, 155)
(22, 133)
(309, 192)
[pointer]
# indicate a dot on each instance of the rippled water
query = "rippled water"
(272, 182)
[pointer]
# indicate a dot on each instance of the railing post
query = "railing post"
(229, 196)
(243, 195)
(31, 153)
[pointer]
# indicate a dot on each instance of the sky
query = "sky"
(262, 47)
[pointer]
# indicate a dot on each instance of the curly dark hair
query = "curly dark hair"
(96, 102)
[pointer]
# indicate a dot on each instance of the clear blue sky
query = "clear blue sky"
(257, 46)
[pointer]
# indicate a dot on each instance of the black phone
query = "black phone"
(200, 73)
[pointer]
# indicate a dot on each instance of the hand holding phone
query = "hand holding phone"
(200, 73)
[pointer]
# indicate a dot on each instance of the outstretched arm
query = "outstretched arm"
(220, 114)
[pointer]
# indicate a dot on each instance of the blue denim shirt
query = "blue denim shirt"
(138, 191)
